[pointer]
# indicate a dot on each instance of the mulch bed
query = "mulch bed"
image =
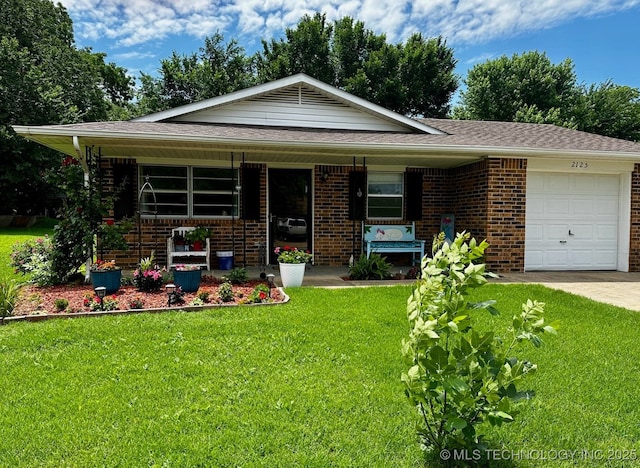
(35, 300)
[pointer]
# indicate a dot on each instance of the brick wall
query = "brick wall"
(437, 200)
(490, 193)
(506, 214)
(226, 234)
(634, 247)
(470, 187)
(336, 237)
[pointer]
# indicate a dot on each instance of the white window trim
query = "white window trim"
(401, 196)
(190, 193)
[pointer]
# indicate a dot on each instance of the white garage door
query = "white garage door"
(572, 221)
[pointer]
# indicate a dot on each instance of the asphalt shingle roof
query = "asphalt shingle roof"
(458, 133)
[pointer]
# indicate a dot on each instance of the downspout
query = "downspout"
(85, 168)
(244, 217)
(233, 207)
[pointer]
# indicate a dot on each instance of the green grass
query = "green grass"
(11, 235)
(315, 382)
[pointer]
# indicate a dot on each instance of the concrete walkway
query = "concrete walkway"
(611, 287)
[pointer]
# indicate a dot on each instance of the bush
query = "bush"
(225, 292)
(375, 267)
(9, 293)
(237, 276)
(261, 293)
(61, 304)
(34, 257)
(458, 377)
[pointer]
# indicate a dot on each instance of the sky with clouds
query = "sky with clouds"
(600, 36)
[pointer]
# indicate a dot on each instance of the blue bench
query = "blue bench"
(393, 238)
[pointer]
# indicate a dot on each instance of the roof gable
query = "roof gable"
(298, 101)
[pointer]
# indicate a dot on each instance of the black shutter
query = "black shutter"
(250, 193)
(414, 195)
(357, 195)
(124, 176)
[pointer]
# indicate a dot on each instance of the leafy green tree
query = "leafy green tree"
(611, 110)
(414, 79)
(427, 76)
(509, 88)
(44, 79)
(307, 49)
(352, 47)
(218, 68)
(529, 88)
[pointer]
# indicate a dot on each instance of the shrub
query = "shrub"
(61, 304)
(260, 293)
(375, 267)
(34, 257)
(136, 303)
(237, 276)
(203, 296)
(458, 377)
(225, 292)
(9, 293)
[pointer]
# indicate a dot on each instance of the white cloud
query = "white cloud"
(134, 22)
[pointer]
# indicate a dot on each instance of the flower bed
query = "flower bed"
(71, 299)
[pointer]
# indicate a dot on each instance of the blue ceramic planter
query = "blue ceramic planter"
(189, 281)
(110, 279)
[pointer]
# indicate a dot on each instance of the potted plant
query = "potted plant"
(187, 277)
(197, 237)
(179, 242)
(292, 263)
(107, 274)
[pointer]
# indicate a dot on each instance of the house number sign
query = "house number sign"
(579, 164)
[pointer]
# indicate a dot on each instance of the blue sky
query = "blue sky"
(601, 37)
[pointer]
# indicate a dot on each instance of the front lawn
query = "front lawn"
(315, 382)
(11, 235)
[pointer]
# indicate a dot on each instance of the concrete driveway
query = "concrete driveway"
(611, 287)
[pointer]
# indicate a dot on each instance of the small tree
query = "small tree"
(458, 377)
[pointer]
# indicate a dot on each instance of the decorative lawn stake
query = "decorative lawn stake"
(171, 293)
(459, 377)
(101, 292)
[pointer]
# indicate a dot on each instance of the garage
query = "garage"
(572, 221)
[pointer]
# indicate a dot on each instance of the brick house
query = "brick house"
(298, 161)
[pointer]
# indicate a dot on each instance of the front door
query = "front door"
(289, 209)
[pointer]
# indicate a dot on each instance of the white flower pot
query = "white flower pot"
(291, 274)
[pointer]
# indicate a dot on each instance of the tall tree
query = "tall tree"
(307, 49)
(44, 79)
(217, 68)
(415, 78)
(514, 87)
(427, 73)
(611, 110)
(529, 88)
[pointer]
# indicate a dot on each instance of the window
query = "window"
(384, 195)
(170, 184)
(182, 191)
